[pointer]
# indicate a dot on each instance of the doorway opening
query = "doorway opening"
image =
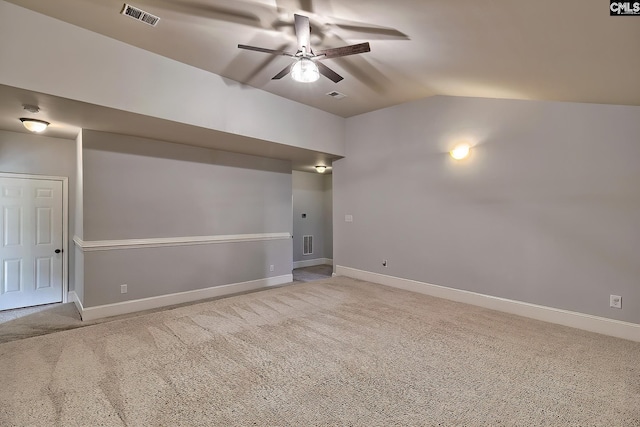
(312, 225)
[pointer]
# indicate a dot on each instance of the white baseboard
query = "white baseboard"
(312, 262)
(125, 307)
(73, 297)
(587, 322)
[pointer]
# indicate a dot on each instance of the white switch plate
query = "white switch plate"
(348, 218)
(615, 301)
(123, 289)
(271, 267)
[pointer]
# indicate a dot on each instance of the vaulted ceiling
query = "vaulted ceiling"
(568, 50)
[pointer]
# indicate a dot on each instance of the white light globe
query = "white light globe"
(35, 125)
(305, 71)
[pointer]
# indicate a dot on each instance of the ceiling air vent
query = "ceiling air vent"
(140, 15)
(336, 95)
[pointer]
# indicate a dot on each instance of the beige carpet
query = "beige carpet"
(334, 352)
(29, 322)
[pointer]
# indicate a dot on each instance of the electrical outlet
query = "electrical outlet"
(615, 301)
(271, 267)
(123, 289)
(384, 262)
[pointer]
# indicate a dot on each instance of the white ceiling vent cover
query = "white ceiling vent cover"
(336, 95)
(140, 15)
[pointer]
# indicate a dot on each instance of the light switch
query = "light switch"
(348, 218)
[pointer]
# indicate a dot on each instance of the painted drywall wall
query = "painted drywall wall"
(544, 211)
(136, 188)
(81, 65)
(42, 155)
(309, 199)
(140, 188)
(328, 216)
(77, 268)
(152, 272)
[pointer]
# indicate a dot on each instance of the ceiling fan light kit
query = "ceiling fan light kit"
(305, 71)
(307, 66)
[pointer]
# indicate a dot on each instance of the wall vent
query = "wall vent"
(336, 95)
(140, 15)
(307, 245)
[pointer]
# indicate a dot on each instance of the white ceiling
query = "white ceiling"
(567, 50)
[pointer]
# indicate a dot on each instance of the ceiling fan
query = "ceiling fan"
(307, 66)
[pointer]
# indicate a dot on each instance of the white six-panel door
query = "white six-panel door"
(30, 242)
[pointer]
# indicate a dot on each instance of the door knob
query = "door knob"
(57, 251)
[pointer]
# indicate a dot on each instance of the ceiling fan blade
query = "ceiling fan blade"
(284, 72)
(358, 67)
(267, 60)
(303, 32)
(328, 72)
(265, 50)
(344, 51)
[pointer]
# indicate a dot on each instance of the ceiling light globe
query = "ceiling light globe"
(305, 71)
(321, 169)
(35, 125)
(460, 151)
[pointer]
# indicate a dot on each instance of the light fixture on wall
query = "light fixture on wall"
(460, 151)
(34, 125)
(305, 71)
(321, 168)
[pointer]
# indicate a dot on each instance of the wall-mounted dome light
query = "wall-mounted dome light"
(321, 168)
(34, 125)
(460, 151)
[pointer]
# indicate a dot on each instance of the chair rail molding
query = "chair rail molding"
(158, 242)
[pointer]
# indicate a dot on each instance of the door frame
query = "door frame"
(65, 222)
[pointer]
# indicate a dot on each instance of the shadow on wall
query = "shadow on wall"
(143, 147)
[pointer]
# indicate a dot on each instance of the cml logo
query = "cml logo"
(624, 8)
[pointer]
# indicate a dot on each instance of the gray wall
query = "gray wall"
(77, 268)
(328, 216)
(138, 188)
(42, 155)
(310, 198)
(545, 211)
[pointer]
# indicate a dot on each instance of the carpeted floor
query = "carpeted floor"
(334, 352)
(46, 319)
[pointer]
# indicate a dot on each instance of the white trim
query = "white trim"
(65, 221)
(587, 322)
(312, 262)
(108, 310)
(106, 245)
(73, 297)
